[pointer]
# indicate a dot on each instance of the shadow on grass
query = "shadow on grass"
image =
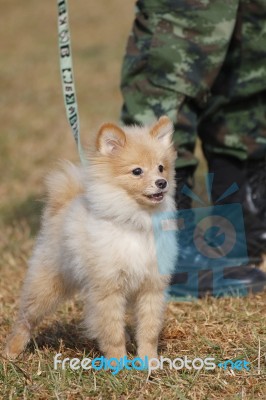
(70, 335)
(73, 338)
(29, 211)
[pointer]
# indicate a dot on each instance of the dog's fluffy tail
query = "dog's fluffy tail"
(62, 186)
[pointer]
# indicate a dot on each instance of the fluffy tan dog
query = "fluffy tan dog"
(97, 237)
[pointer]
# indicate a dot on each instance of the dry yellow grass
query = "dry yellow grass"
(34, 134)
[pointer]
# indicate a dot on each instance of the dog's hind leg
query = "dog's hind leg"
(43, 290)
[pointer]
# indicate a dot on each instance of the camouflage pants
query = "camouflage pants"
(203, 63)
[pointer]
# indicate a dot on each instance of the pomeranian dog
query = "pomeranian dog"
(97, 238)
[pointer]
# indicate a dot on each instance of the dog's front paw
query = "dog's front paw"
(115, 353)
(148, 351)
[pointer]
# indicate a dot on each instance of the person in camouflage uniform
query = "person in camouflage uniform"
(203, 63)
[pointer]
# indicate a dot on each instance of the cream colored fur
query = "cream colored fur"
(97, 238)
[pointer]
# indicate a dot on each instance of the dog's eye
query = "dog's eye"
(161, 168)
(137, 171)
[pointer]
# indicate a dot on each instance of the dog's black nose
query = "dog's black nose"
(161, 183)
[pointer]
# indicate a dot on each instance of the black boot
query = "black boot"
(254, 207)
(184, 176)
(197, 279)
(188, 257)
(251, 180)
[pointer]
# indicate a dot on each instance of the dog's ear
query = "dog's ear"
(110, 139)
(163, 130)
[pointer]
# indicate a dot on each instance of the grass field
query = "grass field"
(34, 134)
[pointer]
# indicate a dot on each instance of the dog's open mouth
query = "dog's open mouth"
(156, 197)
